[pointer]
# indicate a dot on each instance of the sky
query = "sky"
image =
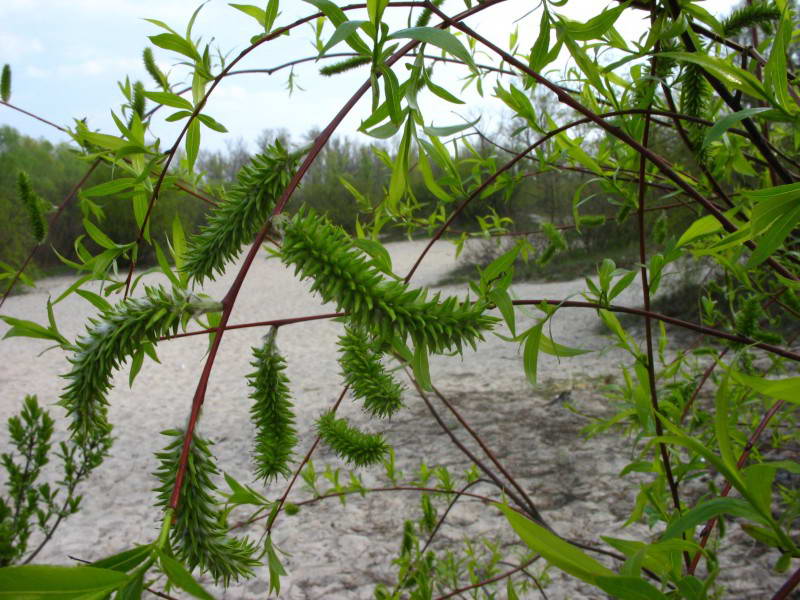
(67, 56)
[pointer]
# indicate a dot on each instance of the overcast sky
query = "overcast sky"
(67, 55)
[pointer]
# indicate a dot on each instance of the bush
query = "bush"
(696, 417)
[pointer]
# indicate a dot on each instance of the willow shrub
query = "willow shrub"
(683, 118)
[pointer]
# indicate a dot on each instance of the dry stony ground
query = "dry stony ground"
(342, 551)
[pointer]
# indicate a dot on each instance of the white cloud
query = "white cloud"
(14, 46)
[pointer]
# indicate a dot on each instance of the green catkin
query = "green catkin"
(748, 316)
(384, 307)
(591, 220)
(695, 94)
(757, 14)
(426, 14)
(345, 65)
(272, 412)
(34, 205)
(198, 534)
(138, 104)
(555, 236)
(5, 83)
(115, 335)
(238, 218)
(365, 374)
(357, 448)
(151, 67)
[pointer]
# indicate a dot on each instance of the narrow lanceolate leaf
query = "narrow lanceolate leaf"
(111, 338)
(367, 377)
(237, 219)
(443, 39)
(356, 447)
(5, 84)
(272, 412)
(384, 307)
(199, 533)
(34, 205)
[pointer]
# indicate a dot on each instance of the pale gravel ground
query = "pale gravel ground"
(342, 551)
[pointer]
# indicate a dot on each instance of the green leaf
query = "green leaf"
(530, 353)
(539, 56)
(180, 577)
(34, 582)
(345, 31)
(212, 124)
(421, 368)
(243, 494)
(704, 226)
(192, 143)
(787, 389)
(109, 187)
(729, 74)
(276, 570)
(174, 42)
(728, 121)
(503, 301)
(337, 17)
(556, 551)
(774, 237)
(253, 11)
(98, 236)
(629, 588)
(722, 417)
(96, 300)
(125, 560)
(442, 39)
(708, 510)
(595, 27)
(23, 328)
(548, 346)
(169, 99)
(133, 590)
(270, 15)
(441, 92)
(449, 129)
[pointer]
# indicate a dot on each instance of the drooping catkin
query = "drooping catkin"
(111, 338)
(138, 104)
(152, 68)
(198, 535)
(345, 65)
(239, 217)
(383, 307)
(755, 14)
(351, 445)
(5, 83)
(34, 206)
(367, 377)
(272, 412)
(426, 14)
(695, 94)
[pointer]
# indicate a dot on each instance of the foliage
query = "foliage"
(680, 145)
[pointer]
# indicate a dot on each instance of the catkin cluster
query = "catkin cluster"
(240, 216)
(199, 534)
(386, 308)
(272, 412)
(116, 335)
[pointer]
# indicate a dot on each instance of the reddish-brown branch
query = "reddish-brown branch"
(274, 322)
(486, 582)
(34, 116)
(751, 442)
(787, 587)
(710, 331)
